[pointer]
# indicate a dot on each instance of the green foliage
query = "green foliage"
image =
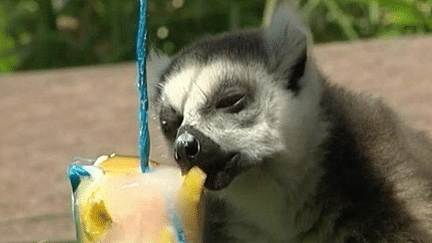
(196, 18)
(60, 33)
(7, 58)
(79, 32)
(332, 20)
(39, 34)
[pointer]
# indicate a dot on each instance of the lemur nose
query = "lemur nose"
(186, 147)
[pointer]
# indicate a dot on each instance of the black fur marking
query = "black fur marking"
(170, 121)
(297, 72)
(242, 46)
(233, 101)
(245, 45)
(225, 95)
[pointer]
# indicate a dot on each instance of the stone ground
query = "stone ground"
(49, 117)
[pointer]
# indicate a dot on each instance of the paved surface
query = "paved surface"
(48, 118)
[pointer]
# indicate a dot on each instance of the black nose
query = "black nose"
(186, 147)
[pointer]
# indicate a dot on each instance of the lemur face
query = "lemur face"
(221, 117)
(228, 103)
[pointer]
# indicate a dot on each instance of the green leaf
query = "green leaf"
(343, 20)
(7, 62)
(8, 59)
(374, 12)
(402, 12)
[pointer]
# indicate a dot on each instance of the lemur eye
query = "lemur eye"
(170, 121)
(232, 101)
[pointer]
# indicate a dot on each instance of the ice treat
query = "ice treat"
(113, 201)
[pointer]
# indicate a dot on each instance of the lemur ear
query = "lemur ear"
(286, 46)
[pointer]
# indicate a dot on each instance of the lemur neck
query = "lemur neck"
(282, 208)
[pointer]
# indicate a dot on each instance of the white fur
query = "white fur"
(176, 91)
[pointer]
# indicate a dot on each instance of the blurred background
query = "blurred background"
(43, 34)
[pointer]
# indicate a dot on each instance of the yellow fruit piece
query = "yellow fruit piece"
(98, 220)
(190, 206)
(119, 164)
(168, 235)
(94, 217)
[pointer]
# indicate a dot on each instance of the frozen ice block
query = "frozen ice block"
(114, 202)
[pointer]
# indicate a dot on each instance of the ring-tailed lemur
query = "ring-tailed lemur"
(290, 157)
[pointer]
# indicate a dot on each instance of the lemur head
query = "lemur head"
(239, 100)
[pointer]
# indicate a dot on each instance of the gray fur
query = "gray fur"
(298, 159)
